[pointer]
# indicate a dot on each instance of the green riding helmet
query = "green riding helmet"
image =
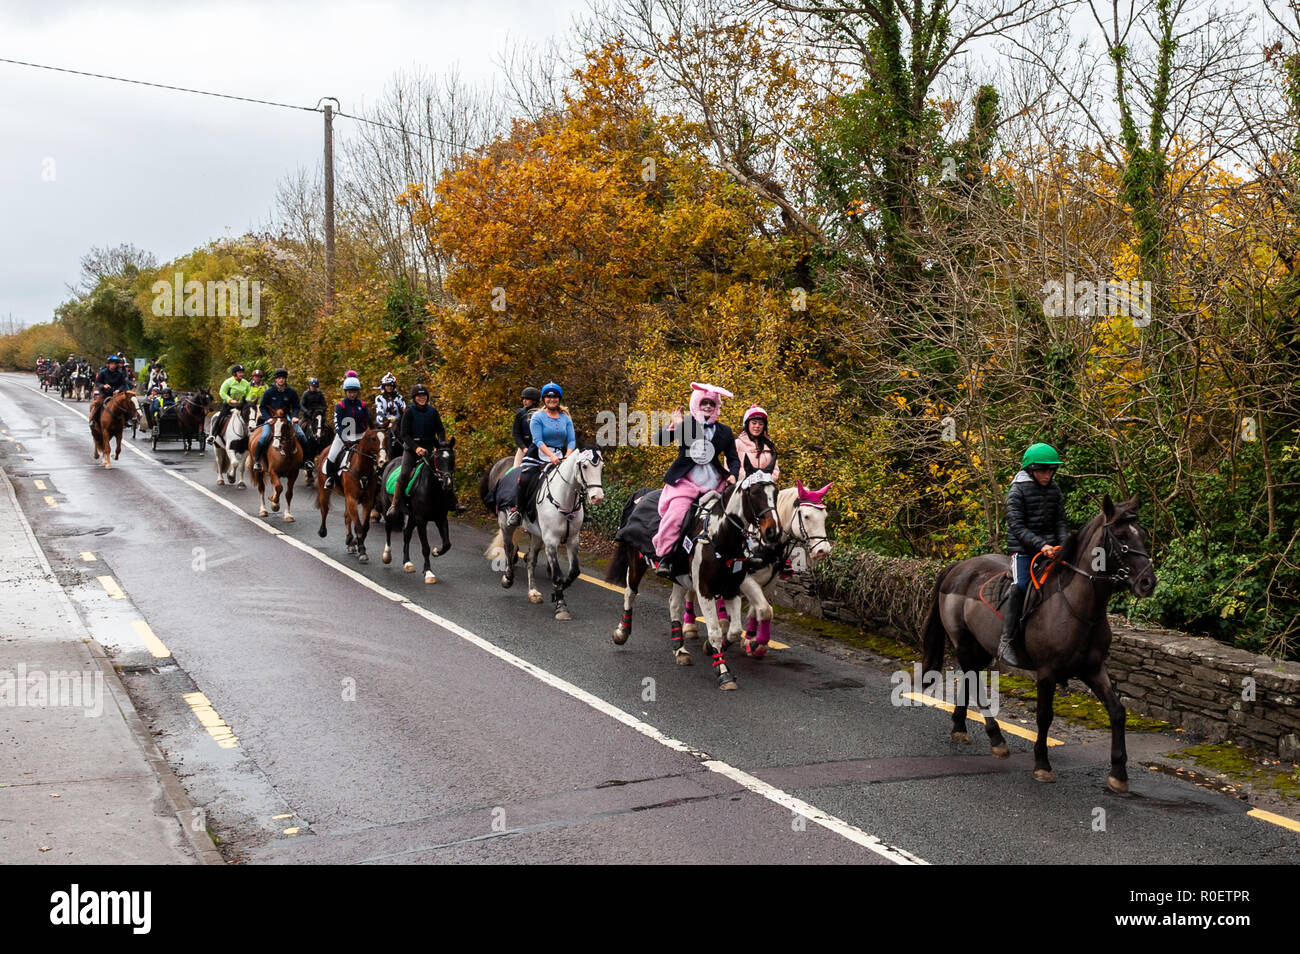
(1040, 455)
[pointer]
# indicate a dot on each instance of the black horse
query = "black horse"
(320, 435)
(430, 498)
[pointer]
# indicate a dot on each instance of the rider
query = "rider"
(706, 460)
(233, 390)
(1035, 524)
(420, 431)
(313, 399)
(752, 443)
(256, 388)
(522, 434)
(389, 407)
(109, 381)
(163, 401)
(278, 396)
(553, 437)
(353, 410)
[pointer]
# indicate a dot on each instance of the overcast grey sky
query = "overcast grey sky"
(169, 171)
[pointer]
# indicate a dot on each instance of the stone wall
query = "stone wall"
(1193, 682)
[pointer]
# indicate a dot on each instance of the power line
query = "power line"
(178, 89)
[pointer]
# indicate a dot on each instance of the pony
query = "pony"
(230, 446)
(357, 482)
(108, 422)
(711, 562)
(563, 491)
(1066, 634)
(429, 499)
(284, 459)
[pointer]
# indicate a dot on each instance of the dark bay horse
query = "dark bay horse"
(430, 498)
(1066, 636)
(283, 461)
(320, 435)
(190, 412)
(357, 483)
(108, 421)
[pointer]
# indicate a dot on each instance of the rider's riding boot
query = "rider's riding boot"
(330, 470)
(1010, 625)
(663, 567)
(391, 512)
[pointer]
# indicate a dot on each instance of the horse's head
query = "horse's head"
(124, 403)
(444, 463)
(280, 429)
(373, 447)
(808, 523)
(203, 397)
(590, 466)
(1123, 544)
(757, 493)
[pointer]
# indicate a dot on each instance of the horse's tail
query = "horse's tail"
(497, 548)
(617, 571)
(933, 635)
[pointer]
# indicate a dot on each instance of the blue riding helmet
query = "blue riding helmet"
(552, 388)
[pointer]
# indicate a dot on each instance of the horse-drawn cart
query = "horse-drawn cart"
(181, 422)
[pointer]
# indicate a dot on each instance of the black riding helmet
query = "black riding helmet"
(531, 394)
(235, 368)
(280, 373)
(313, 382)
(419, 389)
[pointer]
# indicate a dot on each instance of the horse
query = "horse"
(429, 499)
(108, 422)
(562, 494)
(357, 482)
(1067, 634)
(717, 532)
(284, 458)
(191, 410)
(804, 543)
(230, 446)
(392, 451)
(320, 435)
(79, 384)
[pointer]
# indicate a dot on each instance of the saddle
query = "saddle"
(997, 589)
(640, 523)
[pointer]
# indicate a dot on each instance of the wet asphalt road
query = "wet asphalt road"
(370, 733)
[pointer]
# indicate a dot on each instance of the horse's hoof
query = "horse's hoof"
(387, 556)
(682, 657)
(729, 685)
(1044, 775)
(691, 631)
(748, 646)
(288, 518)
(429, 577)
(275, 507)
(760, 650)
(506, 582)
(262, 512)
(321, 532)
(363, 558)
(1001, 751)
(1116, 786)
(620, 635)
(408, 567)
(534, 596)
(563, 614)
(962, 737)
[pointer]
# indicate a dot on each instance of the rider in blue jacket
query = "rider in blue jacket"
(351, 419)
(278, 396)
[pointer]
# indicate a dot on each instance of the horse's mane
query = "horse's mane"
(1070, 548)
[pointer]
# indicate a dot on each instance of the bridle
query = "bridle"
(583, 486)
(1122, 576)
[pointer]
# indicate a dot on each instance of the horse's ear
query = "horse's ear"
(1131, 504)
(1108, 508)
(452, 442)
(770, 467)
(750, 466)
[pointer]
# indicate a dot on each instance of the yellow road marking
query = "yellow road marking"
(1272, 819)
(40, 484)
(292, 831)
(208, 718)
(1010, 727)
(153, 642)
(88, 557)
(281, 817)
(51, 501)
(608, 586)
(110, 586)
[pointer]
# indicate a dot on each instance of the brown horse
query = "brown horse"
(283, 461)
(107, 421)
(1066, 635)
(357, 482)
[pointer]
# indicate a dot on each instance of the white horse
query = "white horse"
(231, 446)
(804, 543)
(562, 493)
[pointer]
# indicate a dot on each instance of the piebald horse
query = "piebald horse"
(108, 421)
(231, 445)
(283, 462)
(718, 536)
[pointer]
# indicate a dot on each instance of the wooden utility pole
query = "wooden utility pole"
(329, 206)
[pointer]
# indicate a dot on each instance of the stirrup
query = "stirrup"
(1007, 652)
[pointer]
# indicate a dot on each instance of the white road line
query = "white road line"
(740, 777)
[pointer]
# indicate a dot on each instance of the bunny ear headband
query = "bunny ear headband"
(813, 497)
